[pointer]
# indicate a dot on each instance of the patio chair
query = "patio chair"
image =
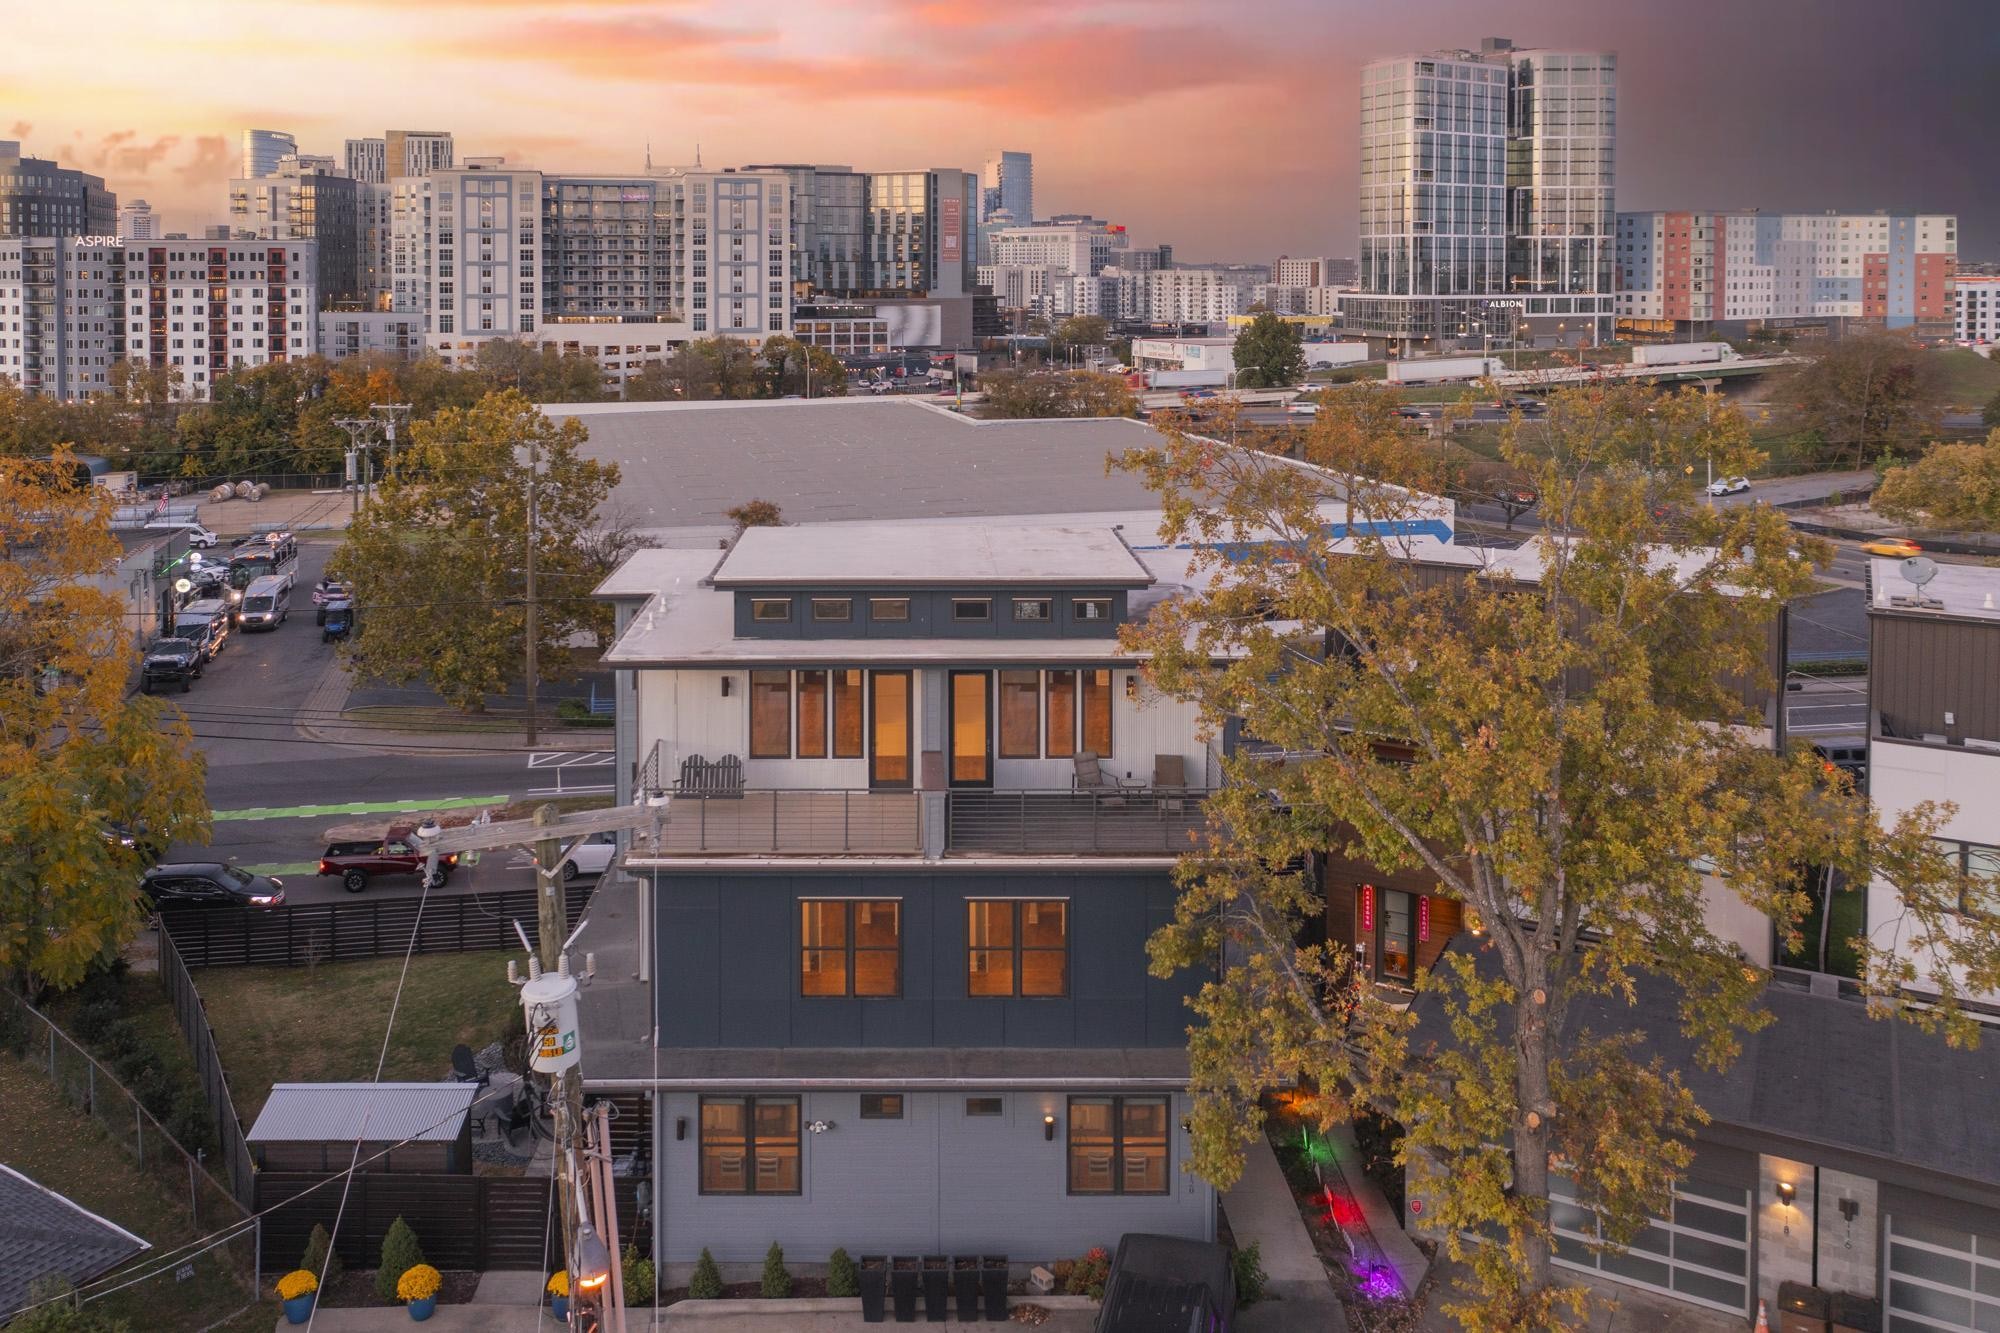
(1091, 776)
(464, 1069)
(1170, 781)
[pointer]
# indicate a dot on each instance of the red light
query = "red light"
(325, 868)
(1368, 907)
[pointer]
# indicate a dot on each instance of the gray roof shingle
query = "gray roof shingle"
(44, 1235)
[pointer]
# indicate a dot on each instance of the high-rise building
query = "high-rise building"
(304, 199)
(137, 222)
(372, 206)
(827, 207)
(72, 289)
(1736, 271)
(1976, 308)
(40, 198)
(466, 246)
(368, 160)
(416, 152)
(1009, 182)
(203, 308)
(1076, 244)
(920, 227)
(1486, 195)
(262, 149)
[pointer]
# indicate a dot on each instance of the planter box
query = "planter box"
(874, 1287)
(937, 1287)
(993, 1286)
(965, 1287)
(905, 1281)
(818, 1314)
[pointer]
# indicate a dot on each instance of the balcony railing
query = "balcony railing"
(793, 823)
(1141, 822)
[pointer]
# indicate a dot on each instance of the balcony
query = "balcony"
(1133, 822)
(791, 823)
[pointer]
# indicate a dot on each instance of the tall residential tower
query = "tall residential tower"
(1009, 182)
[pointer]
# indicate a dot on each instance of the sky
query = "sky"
(1225, 129)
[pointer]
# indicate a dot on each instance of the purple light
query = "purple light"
(1379, 1283)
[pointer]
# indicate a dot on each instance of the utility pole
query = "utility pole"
(357, 429)
(391, 415)
(533, 618)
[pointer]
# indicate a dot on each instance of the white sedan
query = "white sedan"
(1729, 486)
(592, 856)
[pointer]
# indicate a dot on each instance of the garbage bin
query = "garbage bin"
(1801, 1308)
(1855, 1313)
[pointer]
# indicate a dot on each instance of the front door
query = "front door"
(1398, 932)
(971, 728)
(889, 729)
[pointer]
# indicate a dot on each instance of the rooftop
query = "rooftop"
(44, 1234)
(1970, 591)
(931, 554)
(372, 1112)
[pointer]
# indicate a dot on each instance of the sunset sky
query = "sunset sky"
(1226, 129)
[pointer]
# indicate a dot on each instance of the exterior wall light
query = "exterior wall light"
(725, 686)
(1787, 1192)
(1048, 1129)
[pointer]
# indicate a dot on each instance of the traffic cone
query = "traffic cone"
(1763, 1320)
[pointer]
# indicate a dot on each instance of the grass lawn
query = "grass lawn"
(314, 1024)
(44, 1138)
(1970, 380)
(1850, 910)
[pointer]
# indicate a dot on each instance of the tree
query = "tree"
(730, 367)
(1079, 333)
(1269, 352)
(1501, 484)
(784, 363)
(76, 754)
(1867, 393)
(705, 1283)
(1543, 752)
(1990, 417)
(438, 556)
(1950, 486)
(1026, 394)
(400, 1253)
(755, 514)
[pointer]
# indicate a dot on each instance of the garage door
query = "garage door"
(1700, 1255)
(1941, 1280)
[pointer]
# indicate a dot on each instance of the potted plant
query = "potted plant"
(874, 1287)
(296, 1289)
(558, 1289)
(993, 1286)
(937, 1287)
(418, 1289)
(905, 1278)
(965, 1286)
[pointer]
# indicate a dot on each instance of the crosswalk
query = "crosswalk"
(574, 771)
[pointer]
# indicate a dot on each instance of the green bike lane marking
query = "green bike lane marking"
(295, 868)
(355, 808)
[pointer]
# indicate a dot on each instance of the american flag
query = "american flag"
(161, 507)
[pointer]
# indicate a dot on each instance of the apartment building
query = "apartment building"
(417, 152)
(1975, 309)
(1313, 271)
(466, 253)
(203, 308)
(137, 222)
(62, 313)
(1682, 272)
(368, 161)
(39, 197)
(346, 333)
(1007, 184)
(305, 198)
(1073, 244)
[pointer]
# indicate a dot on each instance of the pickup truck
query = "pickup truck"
(358, 852)
(170, 661)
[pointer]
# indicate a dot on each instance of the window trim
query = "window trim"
(1047, 617)
(1017, 949)
(750, 1142)
(960, 604)
(1118, 1102)
(882, 1101)
(989, 1107)
(1961, 851)
(1034, 748)
(1077, 604)
(750, 705)
(827, 605)
(804, 727)
(878, 605)
(758, 606)
(849, 683)
(850, 948)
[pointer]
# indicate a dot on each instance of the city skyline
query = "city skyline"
(1268, 108)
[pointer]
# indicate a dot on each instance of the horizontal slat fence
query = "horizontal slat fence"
(311, 933)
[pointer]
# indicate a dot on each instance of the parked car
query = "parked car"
(592, 856)
(336, 621)
(357, 853)
(210, 884)
(1412, 413)
(266, 603)
(1898, 548)
(198, 537)
(327, 591)
(1527, 403)
(207, 623)
(1729, 485)
(170, 661)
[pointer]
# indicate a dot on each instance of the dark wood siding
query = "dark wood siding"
(1922, 667)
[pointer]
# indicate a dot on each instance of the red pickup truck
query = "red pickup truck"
(355, 852)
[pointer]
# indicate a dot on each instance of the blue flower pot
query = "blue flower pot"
(559, 1308)
(299, 1308)
(421, 1310)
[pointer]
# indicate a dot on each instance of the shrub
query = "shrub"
(841, 1279)
(92, 1019)
(1248, 1265)
(119, 1037)
(400, 1253)
(419, 1282)
(13, 1029)
(777, 1283)
(639, 1276)
(155, 1090)
(188, 1120)
(706, 1284)
(1086, 1277)
(319, 1256)
(105, 982)
(299, 1282)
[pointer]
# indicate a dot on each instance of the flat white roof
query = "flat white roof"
(931, 554)
(1963, 590)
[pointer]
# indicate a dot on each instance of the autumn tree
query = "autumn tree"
(1495, 482)
(1269, 352)
(1537, 738)
(1026, 394)
(1949, 486)
(77, 755)
(1866, 394)
(1078, 334)
(755, 514)
(788, 366)
(438, 557)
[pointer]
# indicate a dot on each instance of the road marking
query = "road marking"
(356, 808)
(573, 759)
(294, 868)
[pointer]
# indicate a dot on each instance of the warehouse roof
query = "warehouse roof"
(882, 554)
(45, 1235)
(370, 1112)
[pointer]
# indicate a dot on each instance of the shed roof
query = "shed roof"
(909, 554)
(44, 1234)
(371, 1112)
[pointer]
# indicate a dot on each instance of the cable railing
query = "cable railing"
(1133, 821)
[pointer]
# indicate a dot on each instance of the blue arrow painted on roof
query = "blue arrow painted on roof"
(1407, 527)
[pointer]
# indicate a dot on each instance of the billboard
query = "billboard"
(951, 231)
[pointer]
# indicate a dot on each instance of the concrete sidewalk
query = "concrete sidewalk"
(1067, 1314)
(1260, 1208)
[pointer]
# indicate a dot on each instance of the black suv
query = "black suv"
(210, 884)
(170, 661)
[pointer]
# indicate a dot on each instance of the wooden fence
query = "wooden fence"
(309, 933)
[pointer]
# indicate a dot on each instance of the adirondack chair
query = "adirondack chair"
(1170, 781)
(1091, 776)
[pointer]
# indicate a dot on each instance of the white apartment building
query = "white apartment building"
(62, 316)
(1302, 271)
(368, 160)
(466, 253)
(202, 308)
(416, 152)
(1280, 298)
(1082, 246)
(346, 333)
(137, 221)
(1976, 310)
(1043, 289)
(1193, 295)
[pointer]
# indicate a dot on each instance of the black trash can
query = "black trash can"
(874, 1287)
(937, 1288)
(905, 1280)
(965, 1286)
(1853, 1313)
(993, 1286)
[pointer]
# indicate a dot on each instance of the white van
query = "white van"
(266, 603)
(198, 536)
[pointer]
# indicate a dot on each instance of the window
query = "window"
(1014, 948)
(1020, 714)
(749, 1145)
(847, 730)
(812, 714)
(1033, 608)
(972, 608)
(1118, 1145)
(770, 714)
(833, 608)
(982, 1106)
(770, 608)
(882, 1106)
(850, 947)
(1979, 890)
(1062, 714)
(888, 608)
(1097, 711)
(1092, 608)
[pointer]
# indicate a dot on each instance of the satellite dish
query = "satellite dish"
(1919, 570)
